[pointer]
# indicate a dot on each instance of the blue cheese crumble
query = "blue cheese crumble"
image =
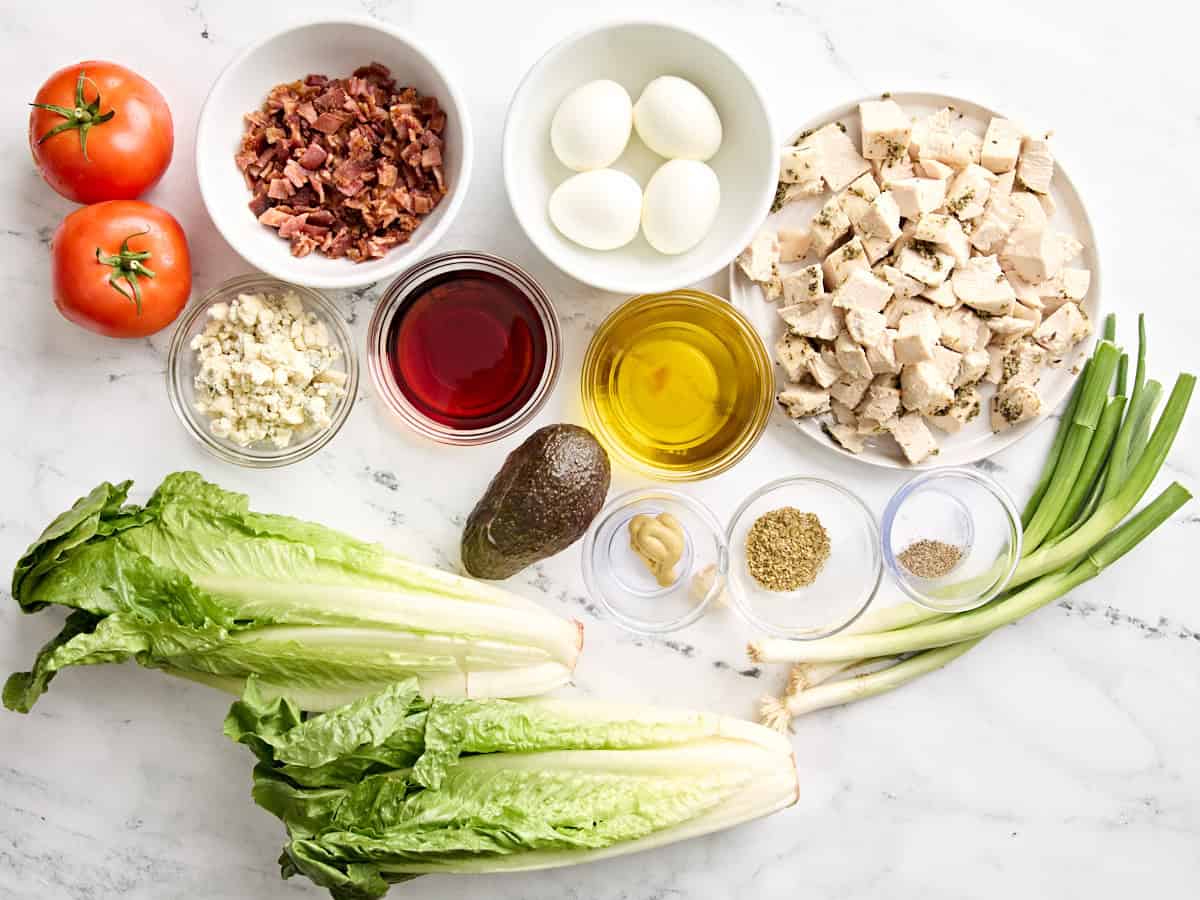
(266, 371)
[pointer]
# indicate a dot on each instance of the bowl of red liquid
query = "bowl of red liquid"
(464, 348)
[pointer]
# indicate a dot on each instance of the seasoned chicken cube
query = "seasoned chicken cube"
(1063, 330)
(916, 337)
(877, 248)
(1069, 284)
(851, 357)
(972, 367)
(967, 195)
(801, 165)
(1002, 184)
(842, 413)
(856, 199)
(1029, 208)
(917, 196)
(845, 259)
(1001, 145)
(793, 244)
(963, 409)
(886, 130)
(999, 218)
(1021, 311)
(994, 373)
(840, 160)
(828, 227)
(1027, 294)
(967, 149)
(924, 388)
(815, 319)
(942, 295)
(925, 263)
(1022, 364)
(759, 260)
(1034, 253)
(903, 286)
(1013, 404)
(804, 285)
(981, 284)
(900, 307)
(1035, 168)
(882, 218)
(773, 289)
(802, 400)
(791, 352)
(849, 390)
(882, 400)
(960, 328)
(882, 356)
(888, 171)
(932, 137)
(1069, 247)
(846, 437)
(931, 168)
(946, 233)
(914, 437)
(1006, 328)
(948, 361)
(865, 327)
(794, 192)
(862, 290)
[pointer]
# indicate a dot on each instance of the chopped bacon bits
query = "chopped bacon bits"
(378, 145)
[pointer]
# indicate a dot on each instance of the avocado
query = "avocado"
(540, 502)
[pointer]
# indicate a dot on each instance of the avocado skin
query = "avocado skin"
(540, 502)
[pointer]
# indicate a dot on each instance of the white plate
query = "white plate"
(976, 440)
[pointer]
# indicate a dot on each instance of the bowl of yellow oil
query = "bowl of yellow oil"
(677, 385)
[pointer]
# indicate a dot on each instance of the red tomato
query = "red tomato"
(121, 268)
(100, 132)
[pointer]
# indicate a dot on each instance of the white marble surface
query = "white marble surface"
(1056, 760)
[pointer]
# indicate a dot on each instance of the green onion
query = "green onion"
(1093, 463)
(1052, 456)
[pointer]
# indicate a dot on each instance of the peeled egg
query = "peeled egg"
(675, 119)
(680, 205)
(599, 209)
(591, 126)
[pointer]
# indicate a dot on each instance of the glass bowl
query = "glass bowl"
(844, 585)
(704, 357)
(967, 514)
(621, 581)
(183, 364)
(392, 302)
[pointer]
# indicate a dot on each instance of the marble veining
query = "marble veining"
(1056, 760)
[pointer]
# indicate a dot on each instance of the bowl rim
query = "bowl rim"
(402, 256)
(179, 348)
(616, 283)
(869, 595)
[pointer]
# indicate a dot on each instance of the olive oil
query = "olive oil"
(678, 384)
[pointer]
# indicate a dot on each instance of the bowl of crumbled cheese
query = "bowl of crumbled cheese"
(261, 372)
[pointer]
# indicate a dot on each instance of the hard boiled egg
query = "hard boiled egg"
(598, 209)
(680, 205)
(591, 126)
(675, 119)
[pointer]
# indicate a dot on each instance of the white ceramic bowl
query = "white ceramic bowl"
(334, 48)
(633, 54)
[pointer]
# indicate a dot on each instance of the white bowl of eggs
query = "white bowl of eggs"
(639, 157)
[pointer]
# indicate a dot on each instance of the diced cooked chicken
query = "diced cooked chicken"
(886, 130)
(964, 408)
(942, 295)
(925, 263)
(1069, 285)
(847, 437)
(1034, 252)
(760, 259)
(889, 171)
(843, 413)
(900, 307)
(1049, 207)
(917, 335)
(828, 227)
(932, 137)
(881, 219)
(960, 329)
(815, 319)
(1035, 168)
(804, 285)
(793, 244)
(840, 159)
(882, 356)
(914, 437)
(862, 290)
(802, 400)
(865, 327)
(1006, 328)
(968, 148)
(881, 402)
(946, 233)
(994, 373)
(999, 218)
(948, 361)
(924, 389)
(1021, 311)
(972, 368)
(857, 197)
(1013, 404)
(802, 166)
(1027, 294)
(849, 390)
(967, 195)
(1002, 185)
(903, 286)
(931, 168)
(917, 196)
(1001, 145)
(1029, 209)
(1063, 330)
(851, 357)
(877, 248)
(790, 351)
(841, 262)
(1022, 364)
(981, 284)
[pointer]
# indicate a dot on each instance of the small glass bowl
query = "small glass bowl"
(966, 510)
(844, 586)
(622, 583)
(393, 300)
(183, 364)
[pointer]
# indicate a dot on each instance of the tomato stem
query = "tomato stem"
(83, 117)
(127, 266)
